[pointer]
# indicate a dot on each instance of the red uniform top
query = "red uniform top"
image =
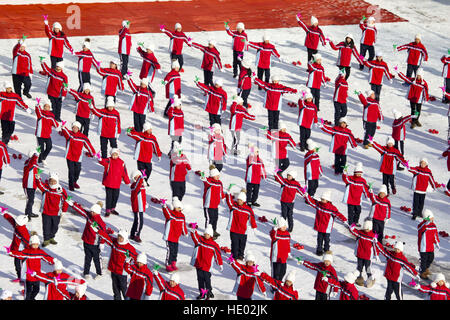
(168, 292)
(307, 114)
(179, 167)
(173, 84)
(283, 292)
(389, 158)
(320, 284)
(348, 290)
(416, 52)
(369, 34)
(138, 196)
(280, 245)
(312, 167)
(422, 177)
(124, 41)
(246, 280)
(82, 99)
(396, 263)
(21, 234)
(340, 89)
(32, 259)
(264, 53)
(115, 171)
(345, 54)
(289, 188)
(418, 89)
(4, 156)
(55, 81)
(22, 64)
(313, 35)
(44, 123)
(436, 293)
(445, 69)
(216, 102)
(94, 223)
(446, 153)
(381, 207)
(176, 121)
(85, 59)
(54, 201)
(340, 137)
(367, 245)
(239, 39)
(108, 122)
(316, 76)
(274, 94)
(372, 110)
(254, 169)
(75, 142)
(325, 214)
(427, 236)
(8, 103)
(377, 71)
(56, 284)
(217, 149)
(211, 56)
(142, 100)
(119, 254)
(355, 188)
(204, 252)
(175, 225)
(149, 65)
(56, 42)
(245, 78)
(399, 128)
(177, 39)
(238, 114)
(240, 216)
(146, 145)
(112, 80)
(280, 141)
(141, 282)
(212, 193)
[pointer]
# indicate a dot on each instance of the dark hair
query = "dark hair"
(351, 44)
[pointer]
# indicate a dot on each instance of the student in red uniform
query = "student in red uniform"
(205, 250)
(8, 102)
(177, 39)
(239, 44)
(377, 70)
(4, 158)
(283, 290)
(371, 115)
(380, 211)
(247, 278)
(312, 167)
(347, 287)
(140, 286)
(179, 168)
(211, 56)
(216, 102)
(170, 290)
(217, 149)
(238, 113)
(445, 73)
(241, 216)
(108, 125)
(255, 170)
(124, 48)
(112, 80)
(84, 100)
(307, 116)
(280, 248)
(280, 141)
(75, 143)
(22, 69)
(446, 154)
(44, 124)
(146, 146)
(416, 54)
(264, 52)
(56, 43)
(346, 49)
(316, 78)
(355, 187)
(141, 102)
(56, 86)
(149, 64)
(114, 172)
(212, 196)
(368, 39)
(176, 122)
(172, 83)
(85, 60)
(138, 205)
(313, 35)
(399, 132)
(274, 98)
(245, 79)
(175, 227)
(325, 274)
(54, 202)
(437, 290)
(427, 241)
(340, 97)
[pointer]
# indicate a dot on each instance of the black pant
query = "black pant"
(50, 226)
(91, 252)
(415, 107)
(238, 242)
(214, 118)
(426, 259)
(377, 89)
(31, 289)
(252, 192)
(310, 53)
(305, 133)
(312, 187)
(378, 228)
(46, 145)
(56, 107)
(395, 287)
(138, 120)
(244, 95)
(104, 145)
(323, 242)
(418, 202)
(447, 89)
(138, 224)
(211, 216)
(124, 63)
(218, 164)
(208, 77)
(7, 130)
(347, 71)
(339, 163)
(363, 49)
(18, 81)
(18, 267)
(283, 164)
(321, 296)
(83, 77)
(316, 97)
(54, 61)
(263, 72)
(363, 263)
(370, 129)
(353, 213)
(84, 124)
(273, 117)
(340, 111)
(166, 109)
(400, 145)
(278, 270)
(410, 70)
(74, 169)
(112, 195)
(287, 211)
(389, 181)
(204, 280)
(172, 252)
(146, 167)
(236, 61)
(178, 57)
(119, 285)
(178, 189)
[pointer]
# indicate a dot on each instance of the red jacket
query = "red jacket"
(274, 94)
(418, 89)
(115, 171)
(138, 196)
(149, 65)
(389, 158)
(437, 292)
(246, 280)
(176, 122)
(175, 225)
(446, 153)
(345, 54)
(254, 169)
(312, 167)
(142, 100)
(94, 223)
(369, 34)
(340, 137)
(82, 99)
(319, 284)
(380, 209)
(57, 42)
(445, 69)
(108, 122)
(55, 81)
(245, 79)
(205, 250)
(355, 188)
(325, 214)
(119, 254)
(307, 114)
(216, 102)
(264, 53)
(348, 290)
(280, 141)
(211, 56)
(85, 59)
(217, 149)
(240, 216)
(141, 282)
(377, 70)
(20, 236)
(416, 52)
(316, 75)
(280, 245)
(399, 128)
(75, 143)
(212, 193)
(372, 110)
(54, 201)
(173, 84)
(30, 170)
(427, 236)
(124, 41)
(238, 114)
(283, 292)
(396, 262)
(367, 245)
(112, 80)
(22, 64)
(168, 292)
(340, 89)
(8, 103)
(146, 145)
(32, 260)
(239, 39)
(313, 35)
(289, 188)
(44, 123)
(4, 156)
(177, 39)
(56, 284)
(179, 167)
(422, 177)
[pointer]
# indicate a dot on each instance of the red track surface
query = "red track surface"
(196, 15)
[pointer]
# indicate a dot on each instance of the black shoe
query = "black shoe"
(28, 95)
(361, 67)
(400, 168)
(114, 212)
(319, 252)
(210, 295)
(255, 204)
(32, 215)
(200, 297)
(234, 75)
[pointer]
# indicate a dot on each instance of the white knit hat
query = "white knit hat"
(371, 19)
(87, 86)
(314, 20)
(216, 127)
(317, 56)
(76, 124)
(238, 100)
(218, 82)
(87, 44)
(383, 189)
(379, 53)
(250, 257)
(358, 168)
(398, 245)
(439, 277)
(176, 203)
(282, 125)
(142, 258)
(54, 176)
(308, 95)
(175, 277)
(292, 173)
(58, 265)
(110, 102)
(176, 102)
(7, 84)
(349, 35)
(291, 276)
(242, 196)
(96, 208)
(369, 93)
(57, 25)
(209, 230)
(240, 25)
(328, 257)
(418, 36)
(81, 289)
(176, 146)
(6, 294)
(326, 195)
(177, 25)
(281, 222)
(60, 64)
(246, 63)
(175, 64)
(149, 46)
(343, 119)
(397, 114)
(275, 77)
(124, 234)
(427, 213)
(424, 160)
(212, 42)
(265, 37)
(136, 173)
(34, 239)
(350, 277)
(144, 81)
(419, 72)
(367, 225)
(214, 172)
(390, 140)
(115, 150)
(146, 126)
(21, 220)
(125, 23)
(311, 144)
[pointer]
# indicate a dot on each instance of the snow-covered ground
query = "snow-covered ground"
(430, 18)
